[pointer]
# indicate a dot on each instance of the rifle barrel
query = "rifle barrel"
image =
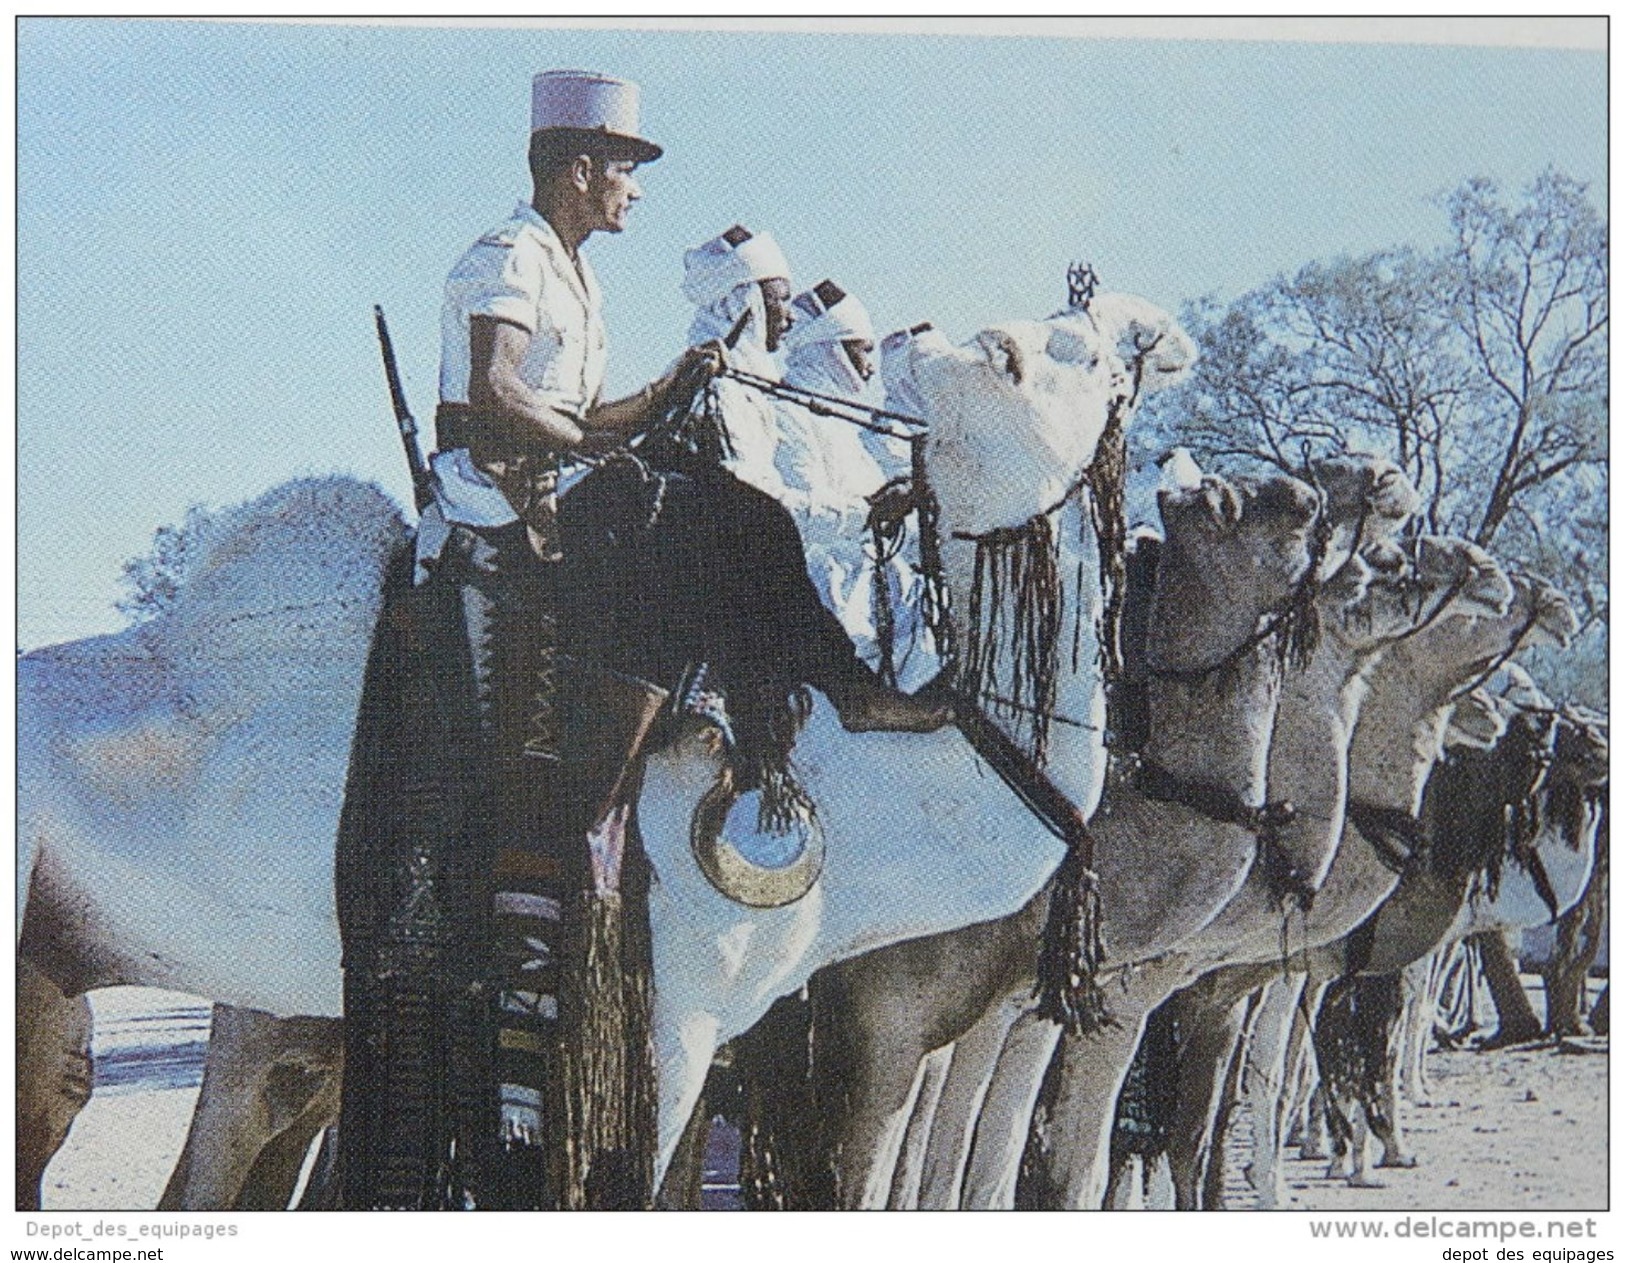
(422, 486)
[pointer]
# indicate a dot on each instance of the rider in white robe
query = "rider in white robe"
(724, 278)
(834, 466)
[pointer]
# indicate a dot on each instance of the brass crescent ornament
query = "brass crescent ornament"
(732, 873)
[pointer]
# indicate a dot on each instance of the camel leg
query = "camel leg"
(682, 1187)
(1518, 1023)
(322, 1189)
(54, 1074)
(1216, 1173)
(970, 1072)
(1268, 1086)
(993, 1167)
(264, 1077)
(1301, 1084)
(1209, 1039)
(1382, 1110)
(1420, 981)
(1126, 1188)
(1579, 938)
(685, 1056)
(1320, 1135)
(1359, 1146)
(1159, 1184)
(1068, 1157)
(272, 1181)
(905, 1189)
(879, 1104)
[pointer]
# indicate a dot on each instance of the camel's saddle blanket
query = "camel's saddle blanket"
(491, 900)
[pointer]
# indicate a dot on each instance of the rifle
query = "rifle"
(422, 482)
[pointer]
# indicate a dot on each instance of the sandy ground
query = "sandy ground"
(1513, 1129)
(1520, 1128)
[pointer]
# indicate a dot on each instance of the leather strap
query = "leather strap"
(1398, 838)
(1216, 802)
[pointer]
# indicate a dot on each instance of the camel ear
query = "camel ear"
(1223, 502)
(999, 343)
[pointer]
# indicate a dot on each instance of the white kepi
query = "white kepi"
(582, 101)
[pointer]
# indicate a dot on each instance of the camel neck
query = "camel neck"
(1217, 729)
(1397, 740)
(1309, 751)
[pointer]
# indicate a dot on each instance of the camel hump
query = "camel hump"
(284, 592)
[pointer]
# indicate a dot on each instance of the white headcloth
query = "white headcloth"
(714, 270)
(721, 279)
(897, 375)
(814, 356)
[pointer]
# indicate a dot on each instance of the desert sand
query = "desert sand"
(1521, 1128)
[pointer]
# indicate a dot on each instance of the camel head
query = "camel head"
(1463, 643)
(1404, 723)
(1547, 613)
(1016, 413)
(1234, 554)
(1368, 500)
(1412, 589)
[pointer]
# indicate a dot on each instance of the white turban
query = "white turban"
(713, 271)
(814, 356)
(721, 280)
(897, 375)
(846, 321)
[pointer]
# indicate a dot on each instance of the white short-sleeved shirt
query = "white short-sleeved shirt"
(519, 272)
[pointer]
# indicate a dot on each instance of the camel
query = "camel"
(1364, 498)
(1524, 880)
(231, 718)
(1067, 1159)
(1255, 541)
(1397, 740)
(1278, 1068)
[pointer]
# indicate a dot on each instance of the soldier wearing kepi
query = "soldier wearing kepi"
(497, 979)
(461, 978)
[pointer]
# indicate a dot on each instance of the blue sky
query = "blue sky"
(207, 212)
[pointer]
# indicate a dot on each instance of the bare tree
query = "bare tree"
(1480, 368)
(1530, 286)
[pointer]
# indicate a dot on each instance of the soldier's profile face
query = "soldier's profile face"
(611, 191)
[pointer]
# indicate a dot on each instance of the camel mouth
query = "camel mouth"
(1467, 579)
(1556, 623)
(1476, 722)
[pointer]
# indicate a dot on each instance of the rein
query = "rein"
(868, 416)
(1218, 803)
(1500, 660)
(1223, 805)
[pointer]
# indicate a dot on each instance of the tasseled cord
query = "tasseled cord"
(1071, 952)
